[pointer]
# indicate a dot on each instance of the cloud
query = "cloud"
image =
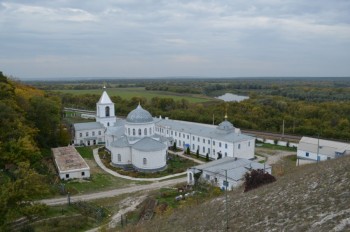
(173, 37)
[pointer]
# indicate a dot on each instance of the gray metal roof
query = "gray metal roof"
(121, 142)
(326, 147)
(149, 144)
(236, 168)
(88, 126)
(139, 115)
(203, 130)
(115, 130)
(226, 126)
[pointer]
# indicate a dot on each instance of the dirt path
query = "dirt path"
(114, 192)
(273, 156)
(127, 205)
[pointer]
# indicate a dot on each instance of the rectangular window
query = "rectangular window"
(179, 134)
(239, 146)
(175, 133)
(99, 133)
(172, 132)
(67, 176)
(214, 143)
(188, 137)
(183, 135)
(203, 140)
(213, 151)
(208, 141)
(167, 132)
(219, 144)
(80, 134)
(307, 154)
(93, 133)
(87, 133)
(82, 173)
(198, 139)
(209, 151)
(226, 145)
(204, 149)
(248, 144)
(207, 177)
(193, 138)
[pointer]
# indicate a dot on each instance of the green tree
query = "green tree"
(174, 146)
(207, 157)
(16, 197)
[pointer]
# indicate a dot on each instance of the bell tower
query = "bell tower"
(105, 113)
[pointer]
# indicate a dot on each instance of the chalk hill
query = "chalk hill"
(314, 198)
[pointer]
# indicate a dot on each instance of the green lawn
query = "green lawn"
(129, 93)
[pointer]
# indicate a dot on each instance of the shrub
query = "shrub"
(188, 150)
(197, 154)
(207, 157)
(256, 178)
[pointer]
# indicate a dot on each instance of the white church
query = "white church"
(141, 141)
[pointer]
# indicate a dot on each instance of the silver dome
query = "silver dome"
(139, 115)
(225, 126)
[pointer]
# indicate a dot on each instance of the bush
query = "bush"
(256, 178)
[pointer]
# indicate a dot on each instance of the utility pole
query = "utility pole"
(283, 129)
(318, 145)
(226, 200)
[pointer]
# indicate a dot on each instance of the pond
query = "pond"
(229, 97)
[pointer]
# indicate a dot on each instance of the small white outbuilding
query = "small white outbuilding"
(70, 164)
(312, 150)
(226, 172)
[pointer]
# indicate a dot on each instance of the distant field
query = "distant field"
(128, 93)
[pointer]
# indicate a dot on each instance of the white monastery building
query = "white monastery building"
(141, 141)
(70, 164)
(311, 150)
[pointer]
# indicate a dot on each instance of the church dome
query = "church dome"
(139, 115)
(225, 126)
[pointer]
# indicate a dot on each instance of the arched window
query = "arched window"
(144, 161)
(107, 123)
(150, 131)
(119, 158)
(145, 131)
(139, 131)
(133, 132)
(107, 111)
(129, 131)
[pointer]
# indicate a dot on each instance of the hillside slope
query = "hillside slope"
(315, 198)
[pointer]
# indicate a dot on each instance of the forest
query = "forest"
(30, 124)
(309, 106)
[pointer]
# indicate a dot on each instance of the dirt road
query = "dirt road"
(114, 192)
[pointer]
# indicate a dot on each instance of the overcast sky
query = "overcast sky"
(146, 38)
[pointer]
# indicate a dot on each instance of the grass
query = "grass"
(277, 147)
(97, 182)
(175, 164)
(86, 152)
(128, 93)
